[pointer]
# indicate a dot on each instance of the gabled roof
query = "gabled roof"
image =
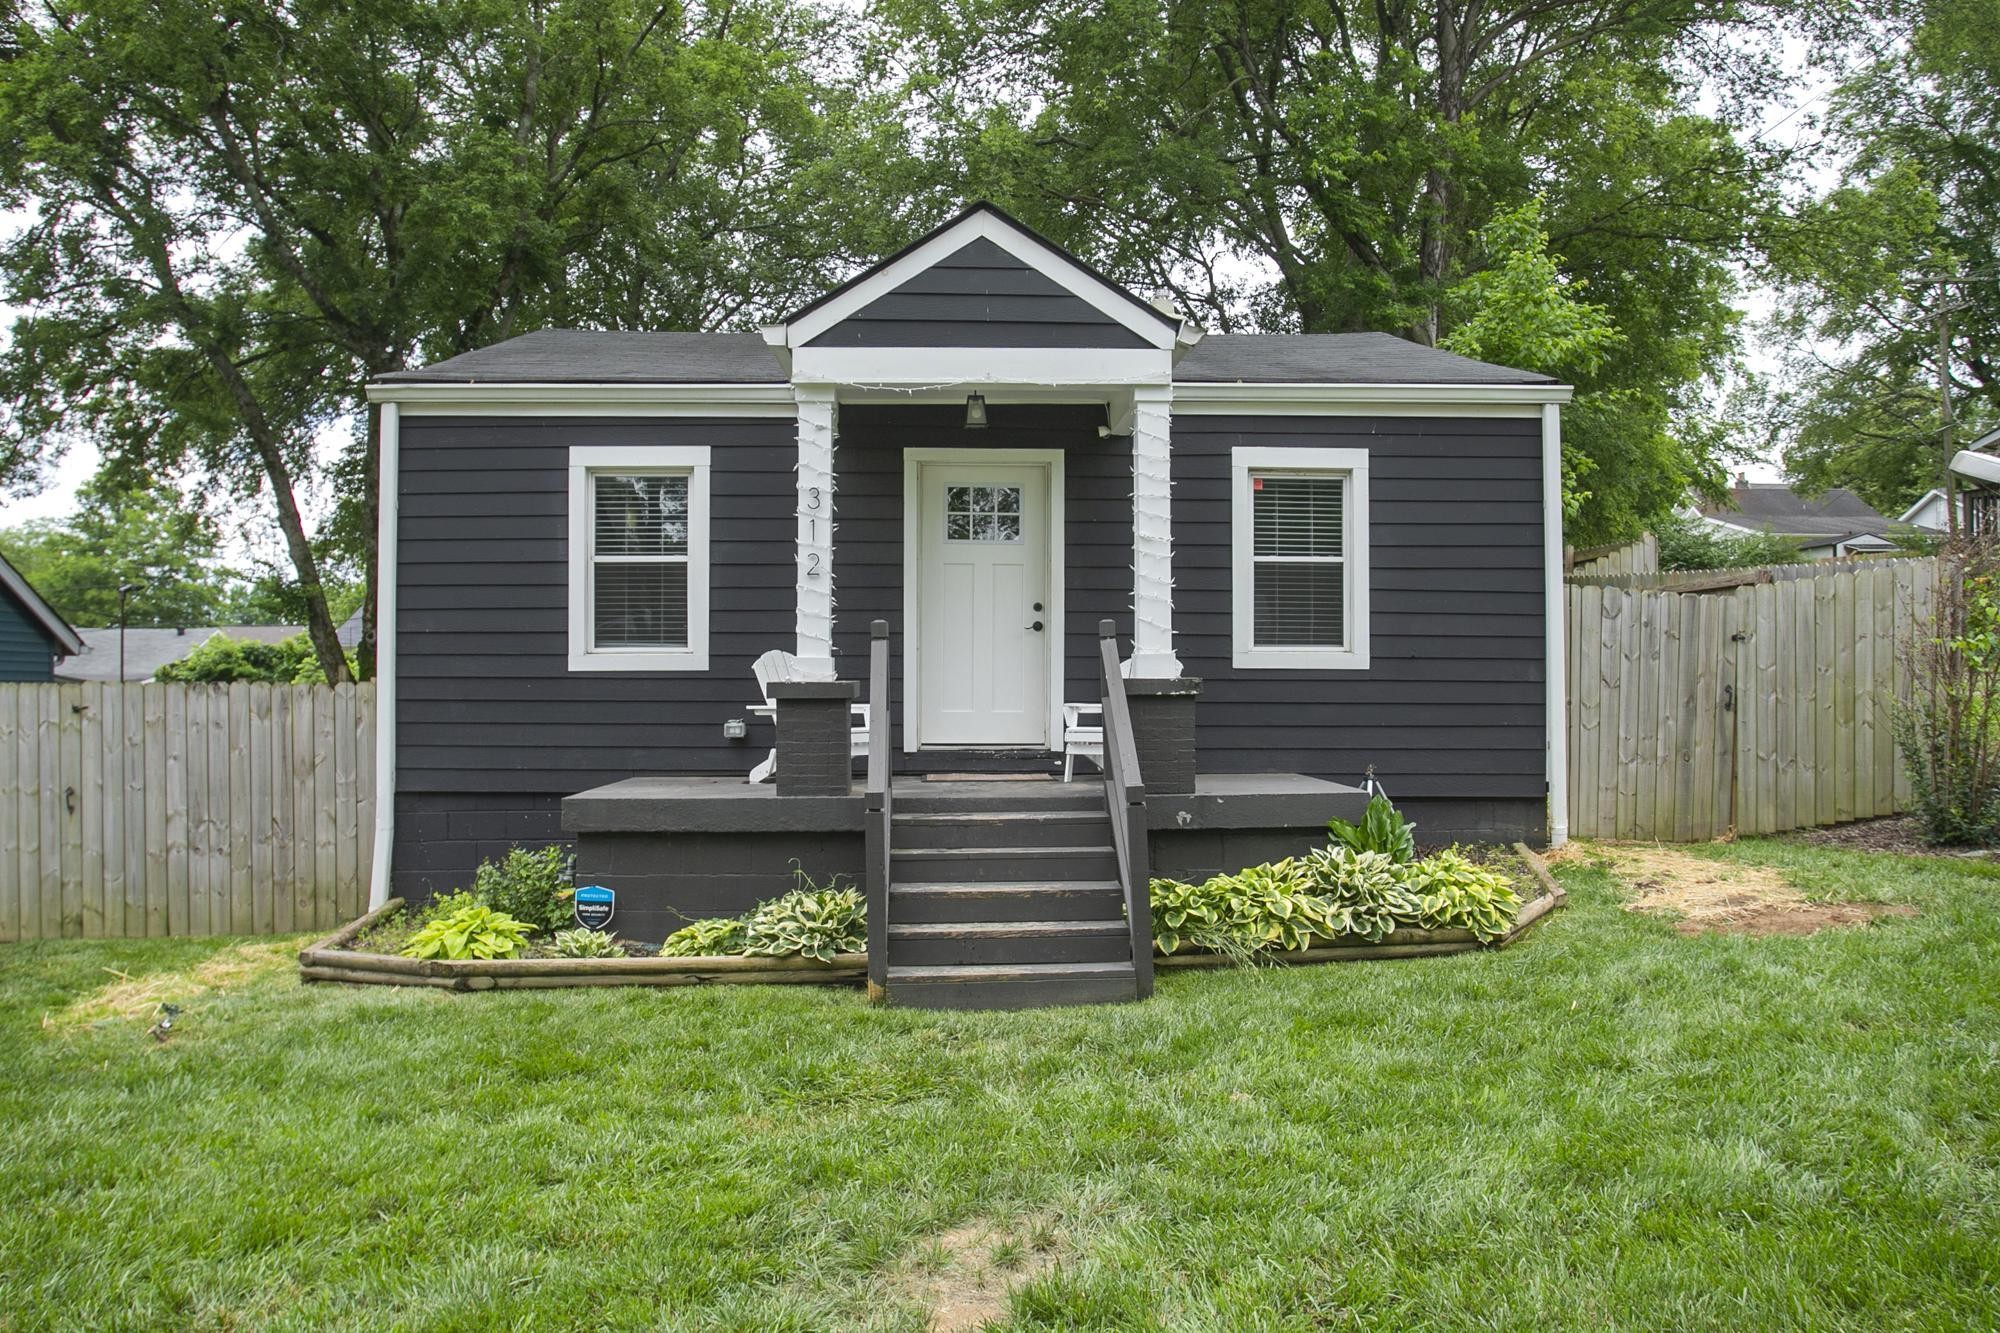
(1335, 358)
(1910, 515)
(148, 649)
(1772, 507)
(67, 642)
(988, 222)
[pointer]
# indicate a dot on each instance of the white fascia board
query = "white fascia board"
(388, 470)
(1114, 304)
(1923, 502)
(938, 367)
(1525, 400)
(1976, 467)
(582, 400)
(1555, 644)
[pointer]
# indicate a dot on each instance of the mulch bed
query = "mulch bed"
(1900, 834)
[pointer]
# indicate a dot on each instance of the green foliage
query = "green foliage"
(1330, 894)
(1364, 891)
(1382, 829)
(581, 943)
(1456, 894)
(711, 937)
(149, 535)
(470, 932)
(1948, 730)
(447, 904)
(808, 923)
(1689, 543)
(222, 658)
(531, 886)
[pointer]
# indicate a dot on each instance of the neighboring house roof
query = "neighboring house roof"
(574, 356)
(1919, 514)
(349, 633)
(149, 649)
(1821, 520)
(67, 644)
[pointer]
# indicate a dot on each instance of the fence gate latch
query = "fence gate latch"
(1728, 698)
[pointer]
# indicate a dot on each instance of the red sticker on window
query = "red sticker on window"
(1256, 483)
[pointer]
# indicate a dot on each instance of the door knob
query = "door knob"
(1036, 627)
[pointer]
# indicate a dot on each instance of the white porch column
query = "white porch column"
(818, 422)
(1152, 536)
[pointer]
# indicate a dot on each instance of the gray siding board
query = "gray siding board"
(1452, 707)
(26, 651)
(979, 296)
(482, 614)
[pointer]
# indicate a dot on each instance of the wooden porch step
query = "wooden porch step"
(1012, 985)
(1035, 900)
(1000, 828)
(988, 865)
(995, 797)
(959, 943)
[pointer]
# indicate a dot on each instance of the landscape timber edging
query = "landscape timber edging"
(328, 960)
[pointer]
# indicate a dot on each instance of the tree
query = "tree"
(239, 214)
(148, 536)
(1904, 248)
(1325, 165)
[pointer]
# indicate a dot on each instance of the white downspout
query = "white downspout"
(1557, 648)
(385, 656)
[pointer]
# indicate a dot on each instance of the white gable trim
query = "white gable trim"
(960, 367)
(978, 225)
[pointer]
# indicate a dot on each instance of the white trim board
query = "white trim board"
(1054, 460)
(1555, 649)
(1480, 400)
(388, 470)
(582, 400)
(981, 224)
(931, 367)
(587, 459)
(1356, 558)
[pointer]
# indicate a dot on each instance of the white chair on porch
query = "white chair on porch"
(1083, 736)
(779, 665)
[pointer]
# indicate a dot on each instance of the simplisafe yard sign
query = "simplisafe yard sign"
(594, 905)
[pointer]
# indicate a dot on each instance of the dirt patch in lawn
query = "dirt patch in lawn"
(1900, 834)
(963, 1276)
(130, 997)
(1705, 896)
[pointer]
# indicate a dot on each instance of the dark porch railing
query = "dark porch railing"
(879, 807)
(1125, 795)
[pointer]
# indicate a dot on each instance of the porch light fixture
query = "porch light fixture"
(975, 411)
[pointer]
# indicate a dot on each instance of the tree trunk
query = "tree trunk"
(1434, 255)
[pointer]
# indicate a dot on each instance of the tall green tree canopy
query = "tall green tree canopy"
(240, 212)
(1909, 233)
(147, 538)
(1327, 165)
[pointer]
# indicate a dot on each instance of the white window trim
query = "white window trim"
(1353, 463)
(627, 459)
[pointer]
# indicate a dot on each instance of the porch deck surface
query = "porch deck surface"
(699, 804)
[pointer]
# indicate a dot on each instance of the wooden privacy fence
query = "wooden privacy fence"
(140, 810)
(1747, 702)
(1641, 555)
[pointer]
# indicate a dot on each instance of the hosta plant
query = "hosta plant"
(808, 923)
(1382, 829)
(1364, 892)
(711, 937)
(582, 943)
(1265, 907)
(470, 932)
(1457, 894)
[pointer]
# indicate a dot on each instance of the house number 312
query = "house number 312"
(812, 531)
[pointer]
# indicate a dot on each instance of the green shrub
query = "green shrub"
(1363, 890)
(1689, 543)
(446, 904)
(1457, 894)
(808, 923)
(470, 932)
(1948, 731)
(1382, 829)
(1265, 907)
(581, 943)
(711, 937)
(530, 886)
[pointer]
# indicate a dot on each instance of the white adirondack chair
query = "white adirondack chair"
(779, 665)
(1083, 736)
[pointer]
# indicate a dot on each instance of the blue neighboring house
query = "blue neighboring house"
(32, 635)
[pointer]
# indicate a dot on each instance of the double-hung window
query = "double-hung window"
(1299, 555)
(638, 563)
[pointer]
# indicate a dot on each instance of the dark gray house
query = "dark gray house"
(1314, 555)
(32, 635)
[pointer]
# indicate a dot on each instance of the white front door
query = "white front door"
(984, 614)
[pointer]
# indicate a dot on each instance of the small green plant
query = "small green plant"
(1382, 829)
(1363, 891)
(1457, 894)
(445, 904)
(808, 923)
(582, 943)
(1262, 908)
(470, 932)
(711, 937)
(529, 886)
(1948, 730)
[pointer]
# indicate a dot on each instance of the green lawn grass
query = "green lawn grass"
(1606, 1125)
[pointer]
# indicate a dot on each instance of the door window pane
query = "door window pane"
(982, 513)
